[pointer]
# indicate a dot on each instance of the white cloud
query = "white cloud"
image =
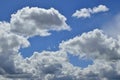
(103, 50)
(94, 44)
(101, 70)
(100, 8)
(87, 12)
(82, 13)
(9, 45)
(37, 21)
(50, 65)
(112, 27)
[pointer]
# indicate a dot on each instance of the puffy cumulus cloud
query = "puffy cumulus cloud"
(50, 65)
(10, 41)
(55, 65)
(100, 8)
(37, 21)
(94, 44)
(4, 26)
(103, 50)
(9, 45)
(44, 66)
(101, 70)
(87, 12)
(40, 66)
(84, 12)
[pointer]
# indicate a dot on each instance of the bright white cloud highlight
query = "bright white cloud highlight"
(87, 12)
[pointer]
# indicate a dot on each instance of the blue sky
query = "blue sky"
(67, 8)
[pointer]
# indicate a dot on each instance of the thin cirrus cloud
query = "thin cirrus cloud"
(55, 65)
(87, 12)
(113, 27)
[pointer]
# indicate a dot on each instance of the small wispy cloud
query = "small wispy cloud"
(87, 12)
(112, 28)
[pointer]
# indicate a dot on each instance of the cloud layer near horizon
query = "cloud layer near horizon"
(55, 65)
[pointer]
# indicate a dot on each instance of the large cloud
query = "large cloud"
(87, 12)
(44, 66)
(94, 44)
(50, 65)
(55, 65)
(9, 45)
(103, 50)
(37, 21)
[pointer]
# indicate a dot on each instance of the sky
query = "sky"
(59, 40)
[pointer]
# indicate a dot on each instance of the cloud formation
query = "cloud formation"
(94, 44)
(37, 21)
(112, 27)
(103, 50)
(9, 45)
(87, 12)
(55, 65)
